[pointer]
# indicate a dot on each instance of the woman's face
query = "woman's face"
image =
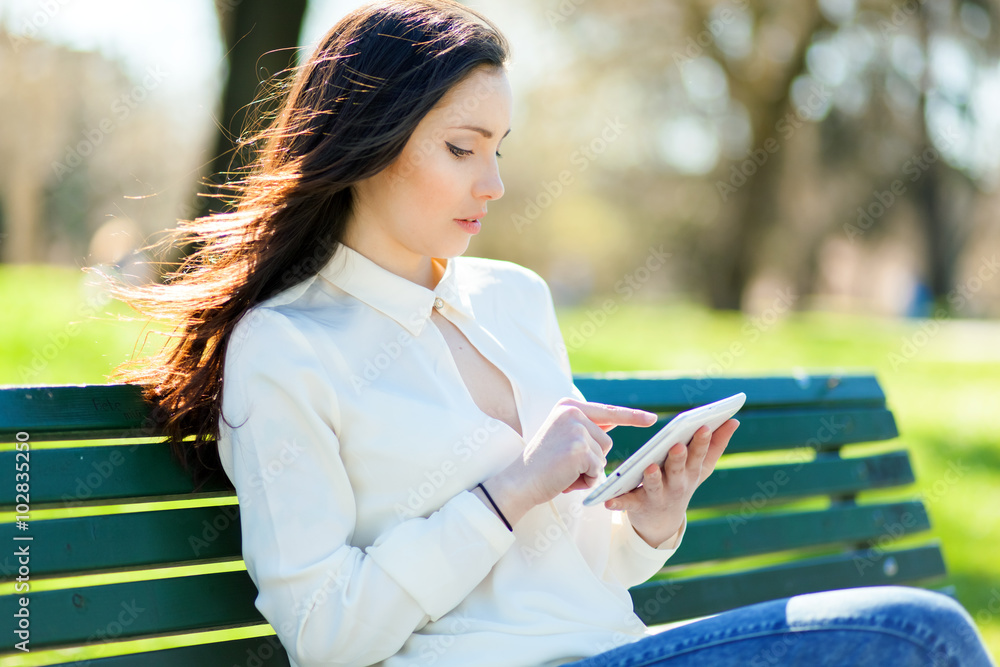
(409, 212)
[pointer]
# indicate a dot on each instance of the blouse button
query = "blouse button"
(438, 303)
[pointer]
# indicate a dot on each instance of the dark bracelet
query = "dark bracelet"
(489, 498)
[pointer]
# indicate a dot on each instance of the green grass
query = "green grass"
(943, 388)
(943, 384)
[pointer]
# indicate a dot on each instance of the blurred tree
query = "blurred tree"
(904, 115)
(81, 146)
(260, 37)
(946, 233)
(58, 137)
(39, 112)
(800, 117)
(698, 82)
(763, 88)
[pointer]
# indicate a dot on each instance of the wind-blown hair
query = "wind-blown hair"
(344, 115)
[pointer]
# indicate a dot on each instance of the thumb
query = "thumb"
(627, 501)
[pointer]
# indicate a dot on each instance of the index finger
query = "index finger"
(609, 416)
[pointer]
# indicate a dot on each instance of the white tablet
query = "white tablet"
(679, 429)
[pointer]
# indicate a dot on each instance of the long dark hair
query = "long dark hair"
(346, 114)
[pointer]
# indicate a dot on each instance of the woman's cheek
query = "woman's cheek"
(439, 176)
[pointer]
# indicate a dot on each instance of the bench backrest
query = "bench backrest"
(121, 550)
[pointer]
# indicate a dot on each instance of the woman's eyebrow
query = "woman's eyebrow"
(486, 133)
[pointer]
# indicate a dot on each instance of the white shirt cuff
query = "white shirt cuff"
(662, 552)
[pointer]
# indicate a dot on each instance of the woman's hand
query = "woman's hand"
(567, 453)
(656, 509)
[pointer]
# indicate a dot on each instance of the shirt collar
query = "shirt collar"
(403, 300)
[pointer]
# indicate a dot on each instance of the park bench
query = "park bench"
(128, 567)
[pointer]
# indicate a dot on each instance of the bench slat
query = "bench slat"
(68, 412)
(661, 393)
(679, 599)
(113, 472)
(73, 411)
(96, 613)
(828, 474)
(204, 601)
(258, 651)
(738, 535)
(74, 475)
(780, 429)
(138, 539)
(170, 537)
(122, 471)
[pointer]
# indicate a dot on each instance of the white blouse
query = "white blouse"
(353, 444)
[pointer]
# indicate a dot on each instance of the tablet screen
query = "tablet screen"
(679, 429)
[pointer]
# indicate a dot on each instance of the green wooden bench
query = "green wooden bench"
(123, 558)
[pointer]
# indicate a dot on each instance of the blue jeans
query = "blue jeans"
(894, 626)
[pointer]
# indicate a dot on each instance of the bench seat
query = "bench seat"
(129, 567)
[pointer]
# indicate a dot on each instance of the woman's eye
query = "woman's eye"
(498, 154)
(458, 152)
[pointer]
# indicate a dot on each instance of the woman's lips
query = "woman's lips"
(471, 226)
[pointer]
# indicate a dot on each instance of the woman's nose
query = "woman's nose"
(490, 186)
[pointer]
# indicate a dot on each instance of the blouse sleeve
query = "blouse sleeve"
(329, 602)
(631, 560)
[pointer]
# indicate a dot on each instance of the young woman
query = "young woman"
(399, 421)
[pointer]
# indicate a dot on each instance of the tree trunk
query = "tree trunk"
(260, 37)
(943, 240)
(22, 217)
(735, 248)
